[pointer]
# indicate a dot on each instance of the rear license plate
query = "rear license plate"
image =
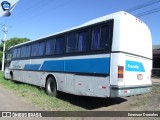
(140, 76)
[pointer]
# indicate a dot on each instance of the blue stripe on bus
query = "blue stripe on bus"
(53, 65)
(94, 65)
(32, 66)
(134, 66)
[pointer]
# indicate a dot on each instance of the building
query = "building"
(156, 60)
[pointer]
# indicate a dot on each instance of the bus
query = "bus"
(110, 56)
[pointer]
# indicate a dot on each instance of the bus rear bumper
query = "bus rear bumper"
(117, 91)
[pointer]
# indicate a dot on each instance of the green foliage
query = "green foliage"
(37, 96)
(15, 41)
(11, 42)
(1, 55)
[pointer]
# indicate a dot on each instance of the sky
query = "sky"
(38, 18)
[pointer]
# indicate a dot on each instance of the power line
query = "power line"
(142, 5)
(56, 7)
(148, 12)
(40, 3)
(35, 7)
(46, 11)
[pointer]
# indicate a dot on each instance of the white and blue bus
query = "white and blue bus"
(110, 56)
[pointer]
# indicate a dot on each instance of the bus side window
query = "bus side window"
(23, 52)
(104, 37)
(14, 53)
(59, 49)
(9, 55)
(41, 48)
(50, 46)
(95, 39)
(18, 52)
(83, 41)
(28, 51)
(71, 43)
(35, 49)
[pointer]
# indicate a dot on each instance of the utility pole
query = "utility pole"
(5, 31)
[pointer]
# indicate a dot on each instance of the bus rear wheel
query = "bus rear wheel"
(51, 87)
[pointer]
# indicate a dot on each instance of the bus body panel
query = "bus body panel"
(131, 83)
(7, 73)
(129, 51)
(137, 70)
(132, 36)
(95, 73)
(92, 86)
(69, 79)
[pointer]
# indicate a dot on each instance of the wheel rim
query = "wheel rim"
(51, 86)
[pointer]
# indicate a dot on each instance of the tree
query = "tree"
(11, 42)
(15, 41)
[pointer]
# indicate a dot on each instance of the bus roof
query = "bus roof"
(94, 21)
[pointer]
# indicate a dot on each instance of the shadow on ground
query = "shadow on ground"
(89, 103)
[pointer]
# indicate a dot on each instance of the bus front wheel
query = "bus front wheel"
(51, 87)
(11, 74)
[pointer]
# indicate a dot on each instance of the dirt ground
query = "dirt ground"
(145, 102)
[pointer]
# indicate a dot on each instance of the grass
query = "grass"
(66, 102)
(37, 96)
(145, 98)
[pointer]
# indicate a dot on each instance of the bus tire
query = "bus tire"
(11, 74)
(51, 87)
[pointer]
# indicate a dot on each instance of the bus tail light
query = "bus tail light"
(120, 71)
